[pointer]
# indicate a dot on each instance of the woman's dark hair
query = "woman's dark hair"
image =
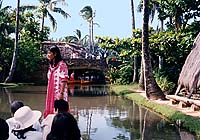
(64, 127)
(58, 58)
(20, 133)
(15, 105)
(4, 129)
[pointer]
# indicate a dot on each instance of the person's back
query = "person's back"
(15, 105)
(24, 119)
(59, 106)
(64, 127)
(4, 130)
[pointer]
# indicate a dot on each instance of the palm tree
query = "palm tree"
(155, 6)
(44, 10)
(88, 14)
(152, 89)
(15, 52)
(135, 66)
(77, 38)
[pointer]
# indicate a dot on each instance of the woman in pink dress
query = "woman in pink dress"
(57, 79)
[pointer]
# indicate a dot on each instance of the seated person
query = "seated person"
(23, 129)
(59, 106)
(4, 129)
(64, 127)
(72, 76)
(15, 105)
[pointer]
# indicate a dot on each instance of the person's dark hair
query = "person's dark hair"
(64, 127)
(61, 105)
(58, 58)
(15, 105)
(20, 133)
(4, 129)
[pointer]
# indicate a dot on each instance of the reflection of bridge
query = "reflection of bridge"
(95, 64)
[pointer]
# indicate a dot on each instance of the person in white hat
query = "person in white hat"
(23, 129)
(14, 106)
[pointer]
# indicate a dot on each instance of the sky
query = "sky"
(113, 16)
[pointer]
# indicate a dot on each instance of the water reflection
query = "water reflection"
(100, 116)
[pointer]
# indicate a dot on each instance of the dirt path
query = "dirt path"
(186, 111)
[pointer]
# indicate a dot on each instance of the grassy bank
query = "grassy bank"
(15, 84)
(188, 122)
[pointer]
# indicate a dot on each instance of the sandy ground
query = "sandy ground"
(187, 110)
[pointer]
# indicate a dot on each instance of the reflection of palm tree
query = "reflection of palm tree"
(9, 95)
(144, 124)
(86, 136)
(89, 119)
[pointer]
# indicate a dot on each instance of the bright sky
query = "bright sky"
(113, 16)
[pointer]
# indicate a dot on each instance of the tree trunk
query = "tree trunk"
(135, 70)
(141, 81)
(92, 35)
(160, 57)
(42, 27)
(152, 89)
(15, 51)
(135, 65)
(133, 15)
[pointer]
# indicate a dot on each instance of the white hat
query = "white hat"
(25, 117)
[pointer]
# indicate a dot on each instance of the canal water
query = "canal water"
(100, 115)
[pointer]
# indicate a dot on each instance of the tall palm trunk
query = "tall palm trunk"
(133, 15)
(135, 59)
(160, 57)
(42, 24)
(152, 89)
(92, 35)
(15, 51)
(141, 80)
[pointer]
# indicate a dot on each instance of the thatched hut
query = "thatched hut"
(189, 79)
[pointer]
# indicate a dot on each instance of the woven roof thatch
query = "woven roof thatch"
(190, 75)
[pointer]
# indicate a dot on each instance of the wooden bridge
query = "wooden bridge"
(76, 56)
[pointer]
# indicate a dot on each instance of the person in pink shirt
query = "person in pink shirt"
(57, 79)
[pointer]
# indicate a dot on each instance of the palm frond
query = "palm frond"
(62, 12)
(140, 7)
(59, 1)
(86, 13)
(5, 8)
(96, 24)
(71, 39)
(28, 7)
(78, 33)
(53, 21)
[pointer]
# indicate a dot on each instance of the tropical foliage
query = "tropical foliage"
(173, 44)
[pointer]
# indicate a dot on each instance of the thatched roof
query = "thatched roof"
(190, 75)
(67, 49)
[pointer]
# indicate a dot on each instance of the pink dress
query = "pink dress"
(56, 75)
